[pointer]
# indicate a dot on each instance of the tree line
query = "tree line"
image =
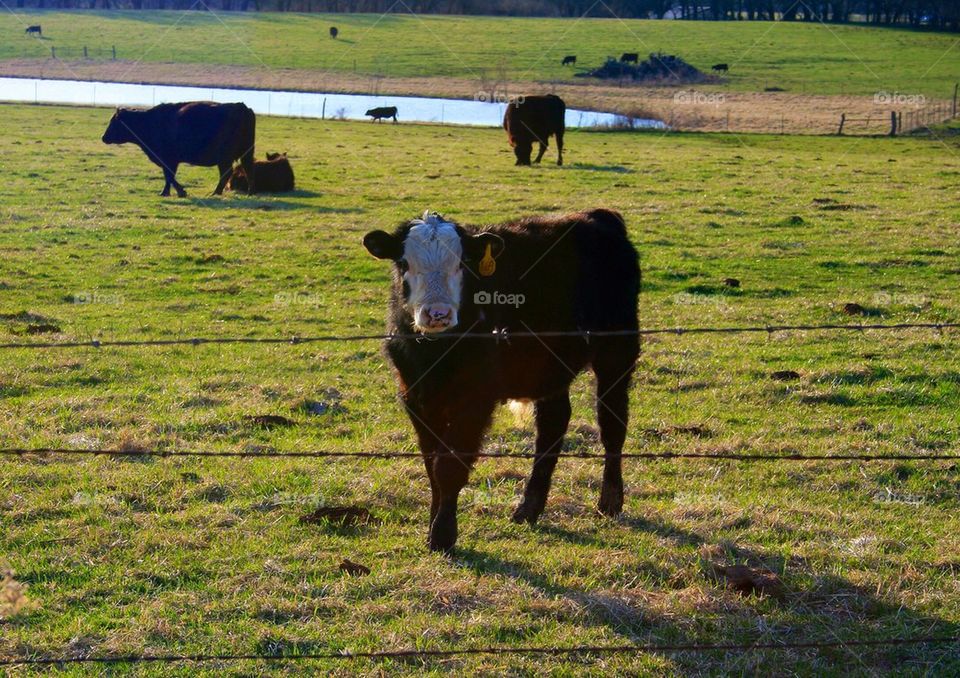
(934, 14)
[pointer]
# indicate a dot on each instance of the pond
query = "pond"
(287, 103)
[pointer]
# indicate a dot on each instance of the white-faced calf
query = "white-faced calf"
(539, 276)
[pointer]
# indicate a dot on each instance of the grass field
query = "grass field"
(209, 555)
(811, 59)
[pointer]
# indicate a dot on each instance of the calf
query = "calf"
(569, 59)
(720, 68)
(539, 276)
(383, 112)
(35, 29)
(629, 58)
(197, 133)
(530, 119)
(273, 175)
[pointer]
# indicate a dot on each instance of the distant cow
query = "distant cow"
(629, 58)
(569, 59)
(35, 29)
(196, 132)
(720, 68)
(383, 112)
(334, 32)
(539, 276)
(531, 119)
(273, 175)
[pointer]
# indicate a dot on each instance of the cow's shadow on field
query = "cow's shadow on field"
(818, 605)
(284, 203)
(590, 167)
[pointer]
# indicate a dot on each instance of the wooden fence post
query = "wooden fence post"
(114, 52)
(955, 86)
(843, 119)
(53, 52)
(893, 123)
(84, 51)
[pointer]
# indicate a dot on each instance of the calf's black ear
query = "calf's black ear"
(382, 245)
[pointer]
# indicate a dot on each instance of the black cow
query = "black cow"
(197, 133)
(383, 112)
(573, 273)
(569, 59)
(35, 29)
(334, 32)
(535, 118)
(720, 67)
(273, 175)
(629, 58)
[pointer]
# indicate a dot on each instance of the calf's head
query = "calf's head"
(431, 256)
(117, 131)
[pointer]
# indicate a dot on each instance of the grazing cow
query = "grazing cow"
(530, 119)
(720, 67)
(539, 276)
(334, 32)
(273, 175)
(35, 29)
(197, 133)
(629, 58)
(569, 59)
(382, 112)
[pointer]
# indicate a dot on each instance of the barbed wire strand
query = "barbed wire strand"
(426, 654)
(499, 335)
(719, 456)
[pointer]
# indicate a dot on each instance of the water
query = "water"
(285, 103)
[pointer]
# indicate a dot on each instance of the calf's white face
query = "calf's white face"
(430, 262)
(432, 255)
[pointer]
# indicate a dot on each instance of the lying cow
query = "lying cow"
(273, 175)
(533, 119)
(197, 133)
(383, 112)
(573, 273)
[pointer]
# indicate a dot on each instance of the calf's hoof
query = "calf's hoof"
(181, 193)
(611, 500)
(442, 538)
(528, 512)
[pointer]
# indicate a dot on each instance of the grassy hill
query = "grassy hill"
(184, 555)
(807, 58)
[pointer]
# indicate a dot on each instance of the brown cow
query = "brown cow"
(273, 175)
(539, 276)
(530, 119)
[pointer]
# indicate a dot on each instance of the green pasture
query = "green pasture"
(184, 555)
(803, 58)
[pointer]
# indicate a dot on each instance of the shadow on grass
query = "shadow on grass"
(255, 203)
(617, 169)
(821, 607)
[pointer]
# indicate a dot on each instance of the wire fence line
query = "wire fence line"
(320, 454)
(498, 335)
(674, 648)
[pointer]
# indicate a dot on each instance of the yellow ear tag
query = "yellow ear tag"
(487, 265)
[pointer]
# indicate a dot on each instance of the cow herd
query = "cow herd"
(219, 135)
(561, 278)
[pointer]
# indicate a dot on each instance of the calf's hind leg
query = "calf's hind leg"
(552, 417)
(543, 149)
(613, 385)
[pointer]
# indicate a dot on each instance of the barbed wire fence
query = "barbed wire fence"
(498, 336)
